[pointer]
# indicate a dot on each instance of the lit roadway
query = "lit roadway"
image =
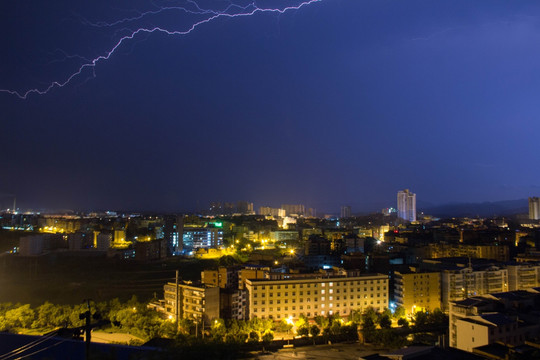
(341, 351)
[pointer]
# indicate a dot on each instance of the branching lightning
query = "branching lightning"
(231, 11)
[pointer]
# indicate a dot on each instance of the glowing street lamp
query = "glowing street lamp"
(289, 320)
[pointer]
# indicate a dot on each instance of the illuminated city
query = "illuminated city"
(311, 179)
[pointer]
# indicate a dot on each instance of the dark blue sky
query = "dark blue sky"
(340, 102)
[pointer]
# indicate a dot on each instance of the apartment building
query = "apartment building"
(466, 282)
(509, 318)
(493, 252)
(194, 301)
(317, 295)
(222, 277)
(523, 276)
(417, 291)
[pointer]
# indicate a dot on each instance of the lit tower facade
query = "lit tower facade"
(534, 208)
(406, 204)
(345, 212)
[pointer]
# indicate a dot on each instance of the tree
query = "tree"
(370, 314)
(253, 337)
(237, 332)
(314, 330)
(322, 321)
(22, 316)
(45, 316)
(438, 319)
(218, 330)
(399, 312)
(350, 332)
(368, 325)
(421, 321)
(168, 329)
(403, 322)
(386, 312)
(268, 336)
(260, 325)
(303, 331)
(283, 326)
(356, 316)
(185, 326)
(302, 326)
(385, 322)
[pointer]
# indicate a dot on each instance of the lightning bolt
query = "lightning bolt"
(231, 11)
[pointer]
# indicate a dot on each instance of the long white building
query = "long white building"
(318, 295)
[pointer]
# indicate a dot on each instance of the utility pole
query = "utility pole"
(88, 327)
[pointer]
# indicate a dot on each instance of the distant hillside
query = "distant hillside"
(485, 209)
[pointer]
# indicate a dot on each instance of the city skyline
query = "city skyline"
(330, 104)
(485, 208)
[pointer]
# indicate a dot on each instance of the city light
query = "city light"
(289, 320)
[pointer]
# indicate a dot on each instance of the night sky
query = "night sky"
(339, 102)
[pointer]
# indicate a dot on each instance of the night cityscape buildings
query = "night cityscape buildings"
(309, 267)
(218, 179)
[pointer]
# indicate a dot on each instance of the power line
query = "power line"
(27, 346)
(36, 352)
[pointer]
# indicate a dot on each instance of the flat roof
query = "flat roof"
(322, 278)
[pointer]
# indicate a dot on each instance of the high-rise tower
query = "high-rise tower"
(534, 208)
(406, 204)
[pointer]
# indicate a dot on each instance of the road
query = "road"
(336, 351)
(106, 337)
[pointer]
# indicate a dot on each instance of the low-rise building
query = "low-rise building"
(510, 318)
(192, 301)
(523, 276)
(199, 238)
(492, 252)
(417, 291)
(462, 283)
(318, 295)
(222, 277)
